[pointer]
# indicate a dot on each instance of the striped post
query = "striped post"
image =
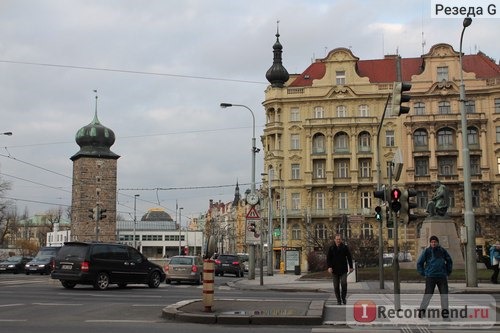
(208, 284)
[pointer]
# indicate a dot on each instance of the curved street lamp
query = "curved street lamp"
(470, 224)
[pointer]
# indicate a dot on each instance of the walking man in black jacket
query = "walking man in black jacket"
(339, 262)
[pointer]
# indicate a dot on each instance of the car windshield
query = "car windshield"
(14, 259)
(43, 256)
(181, 261)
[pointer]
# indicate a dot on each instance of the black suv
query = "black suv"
(229, 263)
(102, 264)
(43, 261)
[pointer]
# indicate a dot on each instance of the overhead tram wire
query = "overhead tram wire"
(129, 71)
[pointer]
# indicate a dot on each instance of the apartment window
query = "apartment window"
(422, 198)
(446, 166)
(472, 136)
(295, 171)
(319, 112)
(421, 166)
(498, 166)
(470, 106)
(320, 200)
(363, 110)
(295, 141)
(295, 201)
(294, 114)
(420, 139)
(442, 73)
(342, 169)
(366, 231)
(341, 142)
(444, 107)
(342, 200)
(497, 105)
(365, 168)
(340, 77)
(340, 229)
(318, 144)
(475, 198)
(451, 195)
(341, 111)
(475, 165)
(389, 138)
(320, 231)
(296, 232)
(419, 108)
(319, 169)
(364, 141)
(498, 134)
(445, 139)
(366, 200)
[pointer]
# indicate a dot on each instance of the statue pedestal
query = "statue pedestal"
(444, 228)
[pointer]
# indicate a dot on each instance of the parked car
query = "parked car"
(43, 261)
(229, 263)
(14, 264)
(184, 268)
(102, 264)
(245, 258)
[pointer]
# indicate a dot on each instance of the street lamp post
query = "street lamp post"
(251, 254)
(135, 218)
(470, 224)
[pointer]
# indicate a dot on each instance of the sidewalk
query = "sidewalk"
(277, 312)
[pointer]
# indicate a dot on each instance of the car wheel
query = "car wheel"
(221, 273)
(68, 284)
(168, 281)
(242, 274)
(27, 273)
(200, 280)
(102, 281)
(154, 280)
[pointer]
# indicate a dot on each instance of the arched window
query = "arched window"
(341, 142)
(446, 138)
(420, 140)
(318, 143)
(364, 141)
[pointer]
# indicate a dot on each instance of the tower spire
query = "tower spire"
(277, 75)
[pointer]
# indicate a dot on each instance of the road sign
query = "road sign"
(252, 214)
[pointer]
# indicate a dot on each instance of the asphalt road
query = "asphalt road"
(34, 303)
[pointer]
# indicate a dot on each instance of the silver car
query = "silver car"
(184, 268)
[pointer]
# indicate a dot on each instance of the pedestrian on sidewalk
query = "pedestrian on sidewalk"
(435, 264)
(339, 261)
(495, 260)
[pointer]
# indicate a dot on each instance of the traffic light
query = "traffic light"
(407, 205)
(395, 200)
(101, 214)
(389, 221)
(378, 213)
(381, 194)
(399, 97)
(93, 213)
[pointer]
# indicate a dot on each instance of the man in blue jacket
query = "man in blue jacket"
(436, 265)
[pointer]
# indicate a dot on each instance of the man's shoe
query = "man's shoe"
(344, 301)
(339, 303)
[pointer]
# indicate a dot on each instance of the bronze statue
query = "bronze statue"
(440, 200)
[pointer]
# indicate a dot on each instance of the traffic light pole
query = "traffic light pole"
(379, 185)
(395, 264)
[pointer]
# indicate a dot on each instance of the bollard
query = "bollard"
(282, 267)
(208, 284)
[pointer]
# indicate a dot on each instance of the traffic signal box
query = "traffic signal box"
(378, 213)
(395, 200)
(398, 97)
(407, 205)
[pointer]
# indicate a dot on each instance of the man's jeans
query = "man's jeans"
(430, 284)
(340, 281)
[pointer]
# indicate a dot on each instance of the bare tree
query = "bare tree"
(5, 210)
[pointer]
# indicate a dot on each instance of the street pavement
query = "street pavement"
(277, 312)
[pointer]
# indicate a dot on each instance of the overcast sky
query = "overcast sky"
(161, 69)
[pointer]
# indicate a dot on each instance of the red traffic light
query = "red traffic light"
(378, 209)
(395, 194)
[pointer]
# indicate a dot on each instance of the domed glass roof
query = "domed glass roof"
(156, 214)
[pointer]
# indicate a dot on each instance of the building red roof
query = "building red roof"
(384, 70)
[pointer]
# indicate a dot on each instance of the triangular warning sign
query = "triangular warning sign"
(252, 213)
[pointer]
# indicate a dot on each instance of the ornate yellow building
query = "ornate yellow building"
(322, 133)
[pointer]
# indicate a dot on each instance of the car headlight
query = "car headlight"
(41, 266)
(26, 266)
(11, 266)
